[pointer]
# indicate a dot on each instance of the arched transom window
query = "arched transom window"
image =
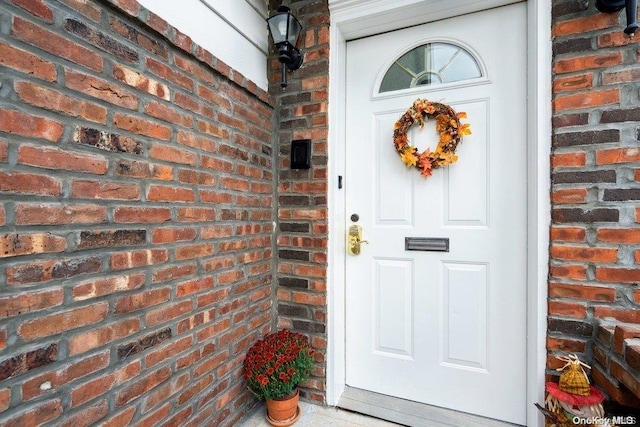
(431, 64)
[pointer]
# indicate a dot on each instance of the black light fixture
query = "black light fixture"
(610, 6)
(285, 30)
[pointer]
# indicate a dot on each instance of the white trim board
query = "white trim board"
(353, 19)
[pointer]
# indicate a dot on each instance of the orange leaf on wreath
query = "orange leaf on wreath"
(409, 156)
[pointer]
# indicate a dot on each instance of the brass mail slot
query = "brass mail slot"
(432, 244)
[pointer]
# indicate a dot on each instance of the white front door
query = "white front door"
(445, 328)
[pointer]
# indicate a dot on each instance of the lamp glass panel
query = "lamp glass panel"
(431, 64)
(278, 27)
(294, 30)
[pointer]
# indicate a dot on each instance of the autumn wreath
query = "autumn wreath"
(447, 124)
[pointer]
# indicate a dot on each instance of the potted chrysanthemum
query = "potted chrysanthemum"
(273, 368)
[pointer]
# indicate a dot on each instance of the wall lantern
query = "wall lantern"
(610, 6)
(285, 30)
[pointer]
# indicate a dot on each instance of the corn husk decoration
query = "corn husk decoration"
(572, 396)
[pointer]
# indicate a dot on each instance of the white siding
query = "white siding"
(234, 31)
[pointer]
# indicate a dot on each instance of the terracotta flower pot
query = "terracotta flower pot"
(284, 411)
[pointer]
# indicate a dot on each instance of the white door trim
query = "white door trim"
(351, 19)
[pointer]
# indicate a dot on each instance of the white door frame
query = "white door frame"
(351, 19)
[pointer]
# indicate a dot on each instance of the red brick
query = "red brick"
(142, 127)
(196, 141)
(88, 416)
(24, 124)
(570, 196)
(162, 393)
(568, 160)
(196, 214)
(583, 292)
(216, 164)
(200, 250)
(194, 286)
(103, 384)
(573, 272)
(193, 104)
(173, 272)
(107, 286)
(168, 114)
(569, 309)
(206, 299)
(308, 298)
(103, 90)
(2, 215)
(619, 235)
(37, 8)
(89, 10)
(155, 418)
(142, 300)
(61, 322)
(618, 155)
(618, 275)
(587, 62)
(135, 259)
(20, 60)
(142, 386)
(585, 24)
(3, 339)
(623, 315)
(55, 158)
(101, 337)
(614, 391)
(28, 183)
(171, 154)
(632, 354)
(141, 82)
(568, 234)
(568, 345)
(12, 245)
(141, 215)
(580, 253)
(144, 170)
(169, 351)
(5, 399)
(132, 7)
(19, 304)
(171, 235)
(55, 44)
(210, 330)
(616, 39)
(104, 190)
(53, 100)
(215, 197)
(167, 313)
(195, 69)
(120, 419)
(52, 214)
(623, 76)
(80, 368)
(623, 332)
(37, 414)
(623, 375)
(234, 184)
(586, 99)
(162, 70)
(162, 193)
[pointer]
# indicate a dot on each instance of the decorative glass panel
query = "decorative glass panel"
(430, 64)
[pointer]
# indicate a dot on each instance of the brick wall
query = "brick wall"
(301, 112)
(595, 234)
(136, 220)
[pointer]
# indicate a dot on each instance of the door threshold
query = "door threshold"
(406, 412)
